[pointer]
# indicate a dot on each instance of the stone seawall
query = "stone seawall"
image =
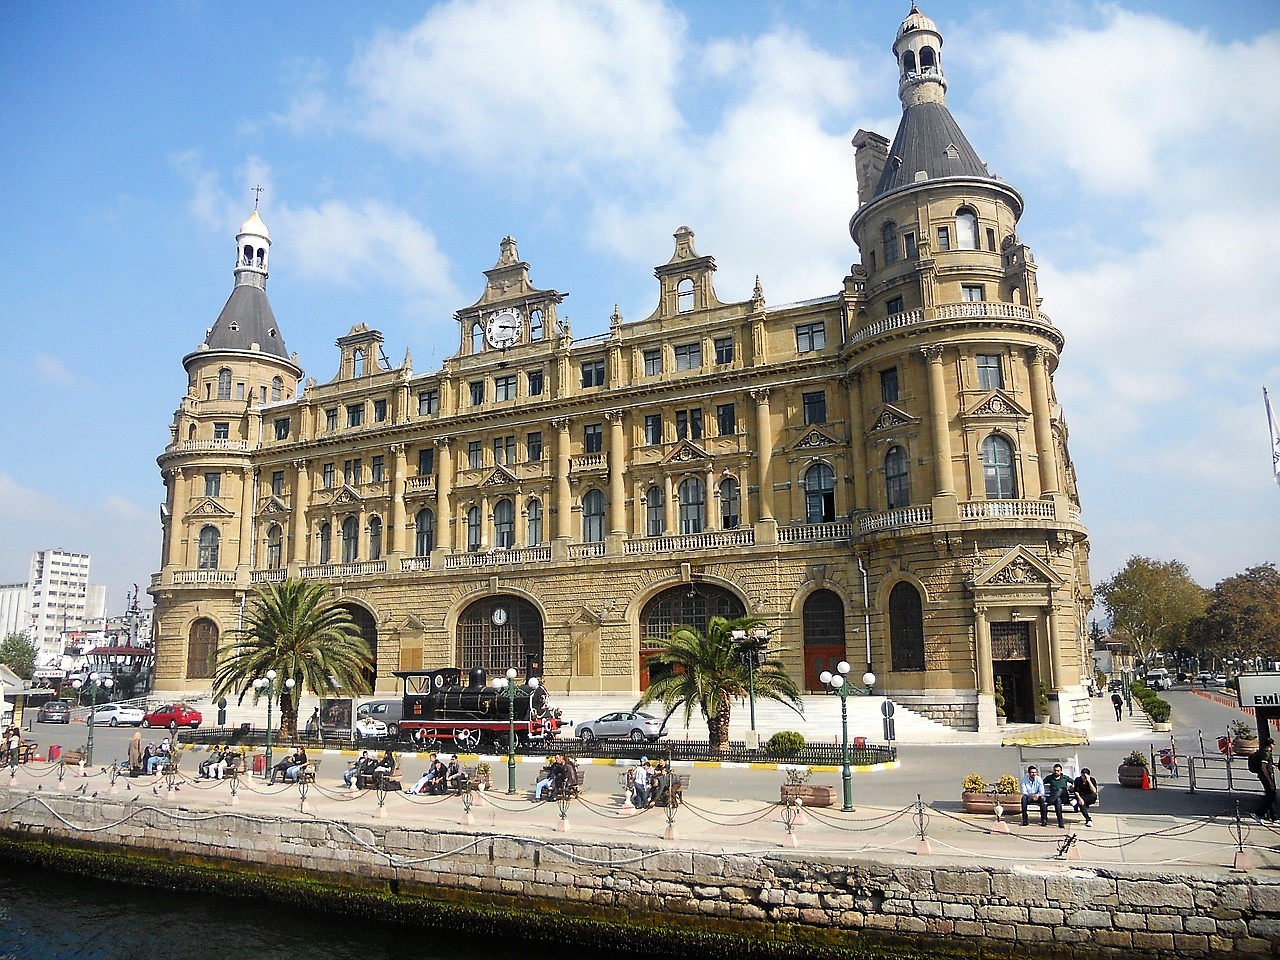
(809, 902)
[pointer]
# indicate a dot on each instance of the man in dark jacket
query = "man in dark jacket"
(1267, 777)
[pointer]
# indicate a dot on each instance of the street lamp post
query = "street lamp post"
(267, 683)
(750, 646)
(506, 687)
(837, 683)
(94, 683)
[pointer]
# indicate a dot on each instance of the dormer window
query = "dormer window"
(357, 363)
(684, 296)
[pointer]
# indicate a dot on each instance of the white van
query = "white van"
(1158, 679)
(388, 711)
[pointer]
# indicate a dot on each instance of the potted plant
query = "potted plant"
(1132, 769)
(1042, 705)
(797, 787)
(978, 796)
(484, 776)
(1001, 717)
(1244, 738)
(1158, 711)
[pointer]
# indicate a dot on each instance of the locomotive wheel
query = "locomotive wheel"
(467, 739)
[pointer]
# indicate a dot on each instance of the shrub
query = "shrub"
(1136, 758)
(1158, 710)
(974, 783)
(785, 743)
(1007, 784)
(1241, 730)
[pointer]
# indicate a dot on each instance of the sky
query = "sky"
(397, 144)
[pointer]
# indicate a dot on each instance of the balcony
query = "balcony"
(585, 551)
(209, 446)
(500, 556)
(688, 542)
(1007, 510)
(816, 532)
(889, 519)
(966, 310)
(341, 571)
(204, 576)
(278, 575)
(420, 484)
(589, 463)
(414, 564)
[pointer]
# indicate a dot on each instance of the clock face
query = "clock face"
(499, 616)
(502, 329)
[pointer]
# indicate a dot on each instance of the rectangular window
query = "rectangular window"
(377, 469)
(894, 305)
(726, 420)
(533, 446)
(504, 450)
(534, 378)
(352, 471)
(428, 402)
(282, 429)
(327, 476)
(379, 411)
(990, 374)
(504, 388)
(909, 245)
(991, 240)
(212, 484)
(973, 293)
(815, 407)
(689, 356)
(277, 483)
(724, 350)
(652, 362)
(810, 337)
(593, 373)
(477, 392)
(331, 418)
(689, 424)
(239, 391)
(473, 455)
(355, 414)
(889, 385)
(221, 431)
(653, 428)
(593, 438)
(426, 461)
(944, 238)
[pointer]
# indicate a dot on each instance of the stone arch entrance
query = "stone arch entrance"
(500, 632)
(202, 649)
(683, 605)
(824, 637)
(368, 628)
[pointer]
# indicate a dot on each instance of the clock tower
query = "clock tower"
(511, 312)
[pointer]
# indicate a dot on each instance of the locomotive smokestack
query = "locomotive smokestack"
(477, 679)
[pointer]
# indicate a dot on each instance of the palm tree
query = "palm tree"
(707, 672)
(298, 630)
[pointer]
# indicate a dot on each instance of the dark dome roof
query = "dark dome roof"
(245, 320)
(923, 142)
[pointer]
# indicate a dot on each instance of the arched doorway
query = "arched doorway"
(824, 640)
(686, 605)
(368, 628)
(202, 649)
(500, 632)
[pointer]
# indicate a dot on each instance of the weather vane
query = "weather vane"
(257, 195)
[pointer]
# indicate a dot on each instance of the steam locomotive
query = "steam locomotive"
(439, 709)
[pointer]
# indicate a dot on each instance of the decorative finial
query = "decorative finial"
(757, 295)
(257, 195)
(615, 319)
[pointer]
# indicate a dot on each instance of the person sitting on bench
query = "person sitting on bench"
(1033, 791)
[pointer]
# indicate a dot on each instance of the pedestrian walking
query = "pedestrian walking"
(1117, 701)
(1262, 763)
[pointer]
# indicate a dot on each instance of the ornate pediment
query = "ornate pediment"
(586, 617)
(686, 452)
(1018, 568)
(891, 418)
(997, 403)
(208, 507)
(344, 496)
(814, 438)
(501, 476)
(413, 624)
(271, 505)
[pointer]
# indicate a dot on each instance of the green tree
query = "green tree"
(1151, 603)
(1243, 616)
(707, 673)
(18, 654)
(296, 629)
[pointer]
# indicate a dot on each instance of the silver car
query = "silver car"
(624, 723)
(118, 714)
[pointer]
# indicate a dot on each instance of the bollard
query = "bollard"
(671, 833)
(467, 801)
(999, 826)
(923, 847)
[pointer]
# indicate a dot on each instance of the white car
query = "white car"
(367, 728)
(625, 723)
(117, 714)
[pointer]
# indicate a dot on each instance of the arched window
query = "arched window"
(425, 537)
(357, 363)
(477, 338)
(504, 524)
(473, 529)
(262, 256)
(224, 384)
(692, 496)
(533, 519)
(326, 543)
(819, 494)
(889, 235)
(906, 628)
(275, 547)
(350, 539)
(202, 649)
(655, 512)
(997, 468)
(375, 538)
(908, 62)
(515, 642)
(209, 540)
(897, 482)
(247, 257)
(277, 389)
(684, 295)
(535, 324)
(730, 504)
(928, 61)
(966, 229)
(593, 517)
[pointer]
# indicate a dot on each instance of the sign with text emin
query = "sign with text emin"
(1260, 690)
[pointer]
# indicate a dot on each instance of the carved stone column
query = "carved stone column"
(244, 557)
(858, 443)
(564, 511)
(982, 651)
(944, 507)
(764, 452)
(301, 499)
(1046, 451)
(395, 534)
(444, 495)
(617, 464)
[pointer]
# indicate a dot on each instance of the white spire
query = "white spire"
(918, 48)
(253, 251)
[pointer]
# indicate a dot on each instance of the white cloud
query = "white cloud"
(53, 371)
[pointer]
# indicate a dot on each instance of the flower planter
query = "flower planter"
(810, 795)
(1165, 727)
(1242, 747)
(985, 802)
(1130, 774)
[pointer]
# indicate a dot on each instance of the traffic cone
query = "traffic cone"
(1146, 779)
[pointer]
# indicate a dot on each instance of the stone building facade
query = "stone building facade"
(880, 472)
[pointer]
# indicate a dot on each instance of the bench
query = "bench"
(306, 775)
(388, 781)
(571, 786)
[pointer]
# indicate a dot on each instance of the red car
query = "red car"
(173, 715)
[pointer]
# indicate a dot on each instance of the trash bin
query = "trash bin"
(859, 742)
(55, 751)
(259, 763)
